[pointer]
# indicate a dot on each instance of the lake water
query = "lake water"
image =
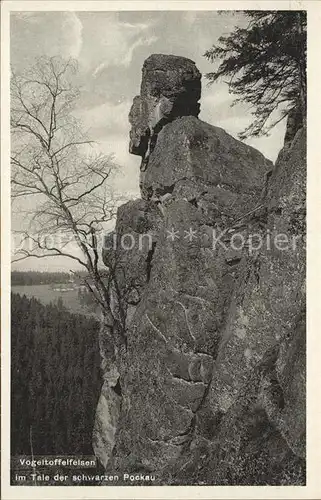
(51, 293)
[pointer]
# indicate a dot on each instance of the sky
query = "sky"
(110, 48)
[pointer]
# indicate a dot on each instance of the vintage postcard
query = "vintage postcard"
(160, 217)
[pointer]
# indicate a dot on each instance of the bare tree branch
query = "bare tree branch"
(49, 159)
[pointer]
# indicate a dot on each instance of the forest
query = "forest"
(55, 378)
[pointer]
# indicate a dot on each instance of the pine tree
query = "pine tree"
(265, 65)
(52, 353)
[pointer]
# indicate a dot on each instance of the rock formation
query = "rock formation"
(211, 386)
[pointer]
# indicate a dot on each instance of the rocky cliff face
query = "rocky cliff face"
(210, 384)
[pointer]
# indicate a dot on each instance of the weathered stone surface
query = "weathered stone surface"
(139, 132)
(267, 315)
(171, 87)
(191, 150)
(213, 377)
(170, 75)
(129, 250)
(106, 421)
(295, 121)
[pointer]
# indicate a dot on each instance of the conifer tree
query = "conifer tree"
(265, 66)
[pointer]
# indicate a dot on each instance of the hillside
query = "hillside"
(52, 396)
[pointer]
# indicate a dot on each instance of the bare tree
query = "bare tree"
(52, 160)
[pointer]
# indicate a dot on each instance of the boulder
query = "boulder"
(171, 87)
(189, 150)
(213, 374)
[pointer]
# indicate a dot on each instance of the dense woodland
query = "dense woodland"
(55, 378)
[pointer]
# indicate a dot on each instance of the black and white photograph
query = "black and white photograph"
(158, 172)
